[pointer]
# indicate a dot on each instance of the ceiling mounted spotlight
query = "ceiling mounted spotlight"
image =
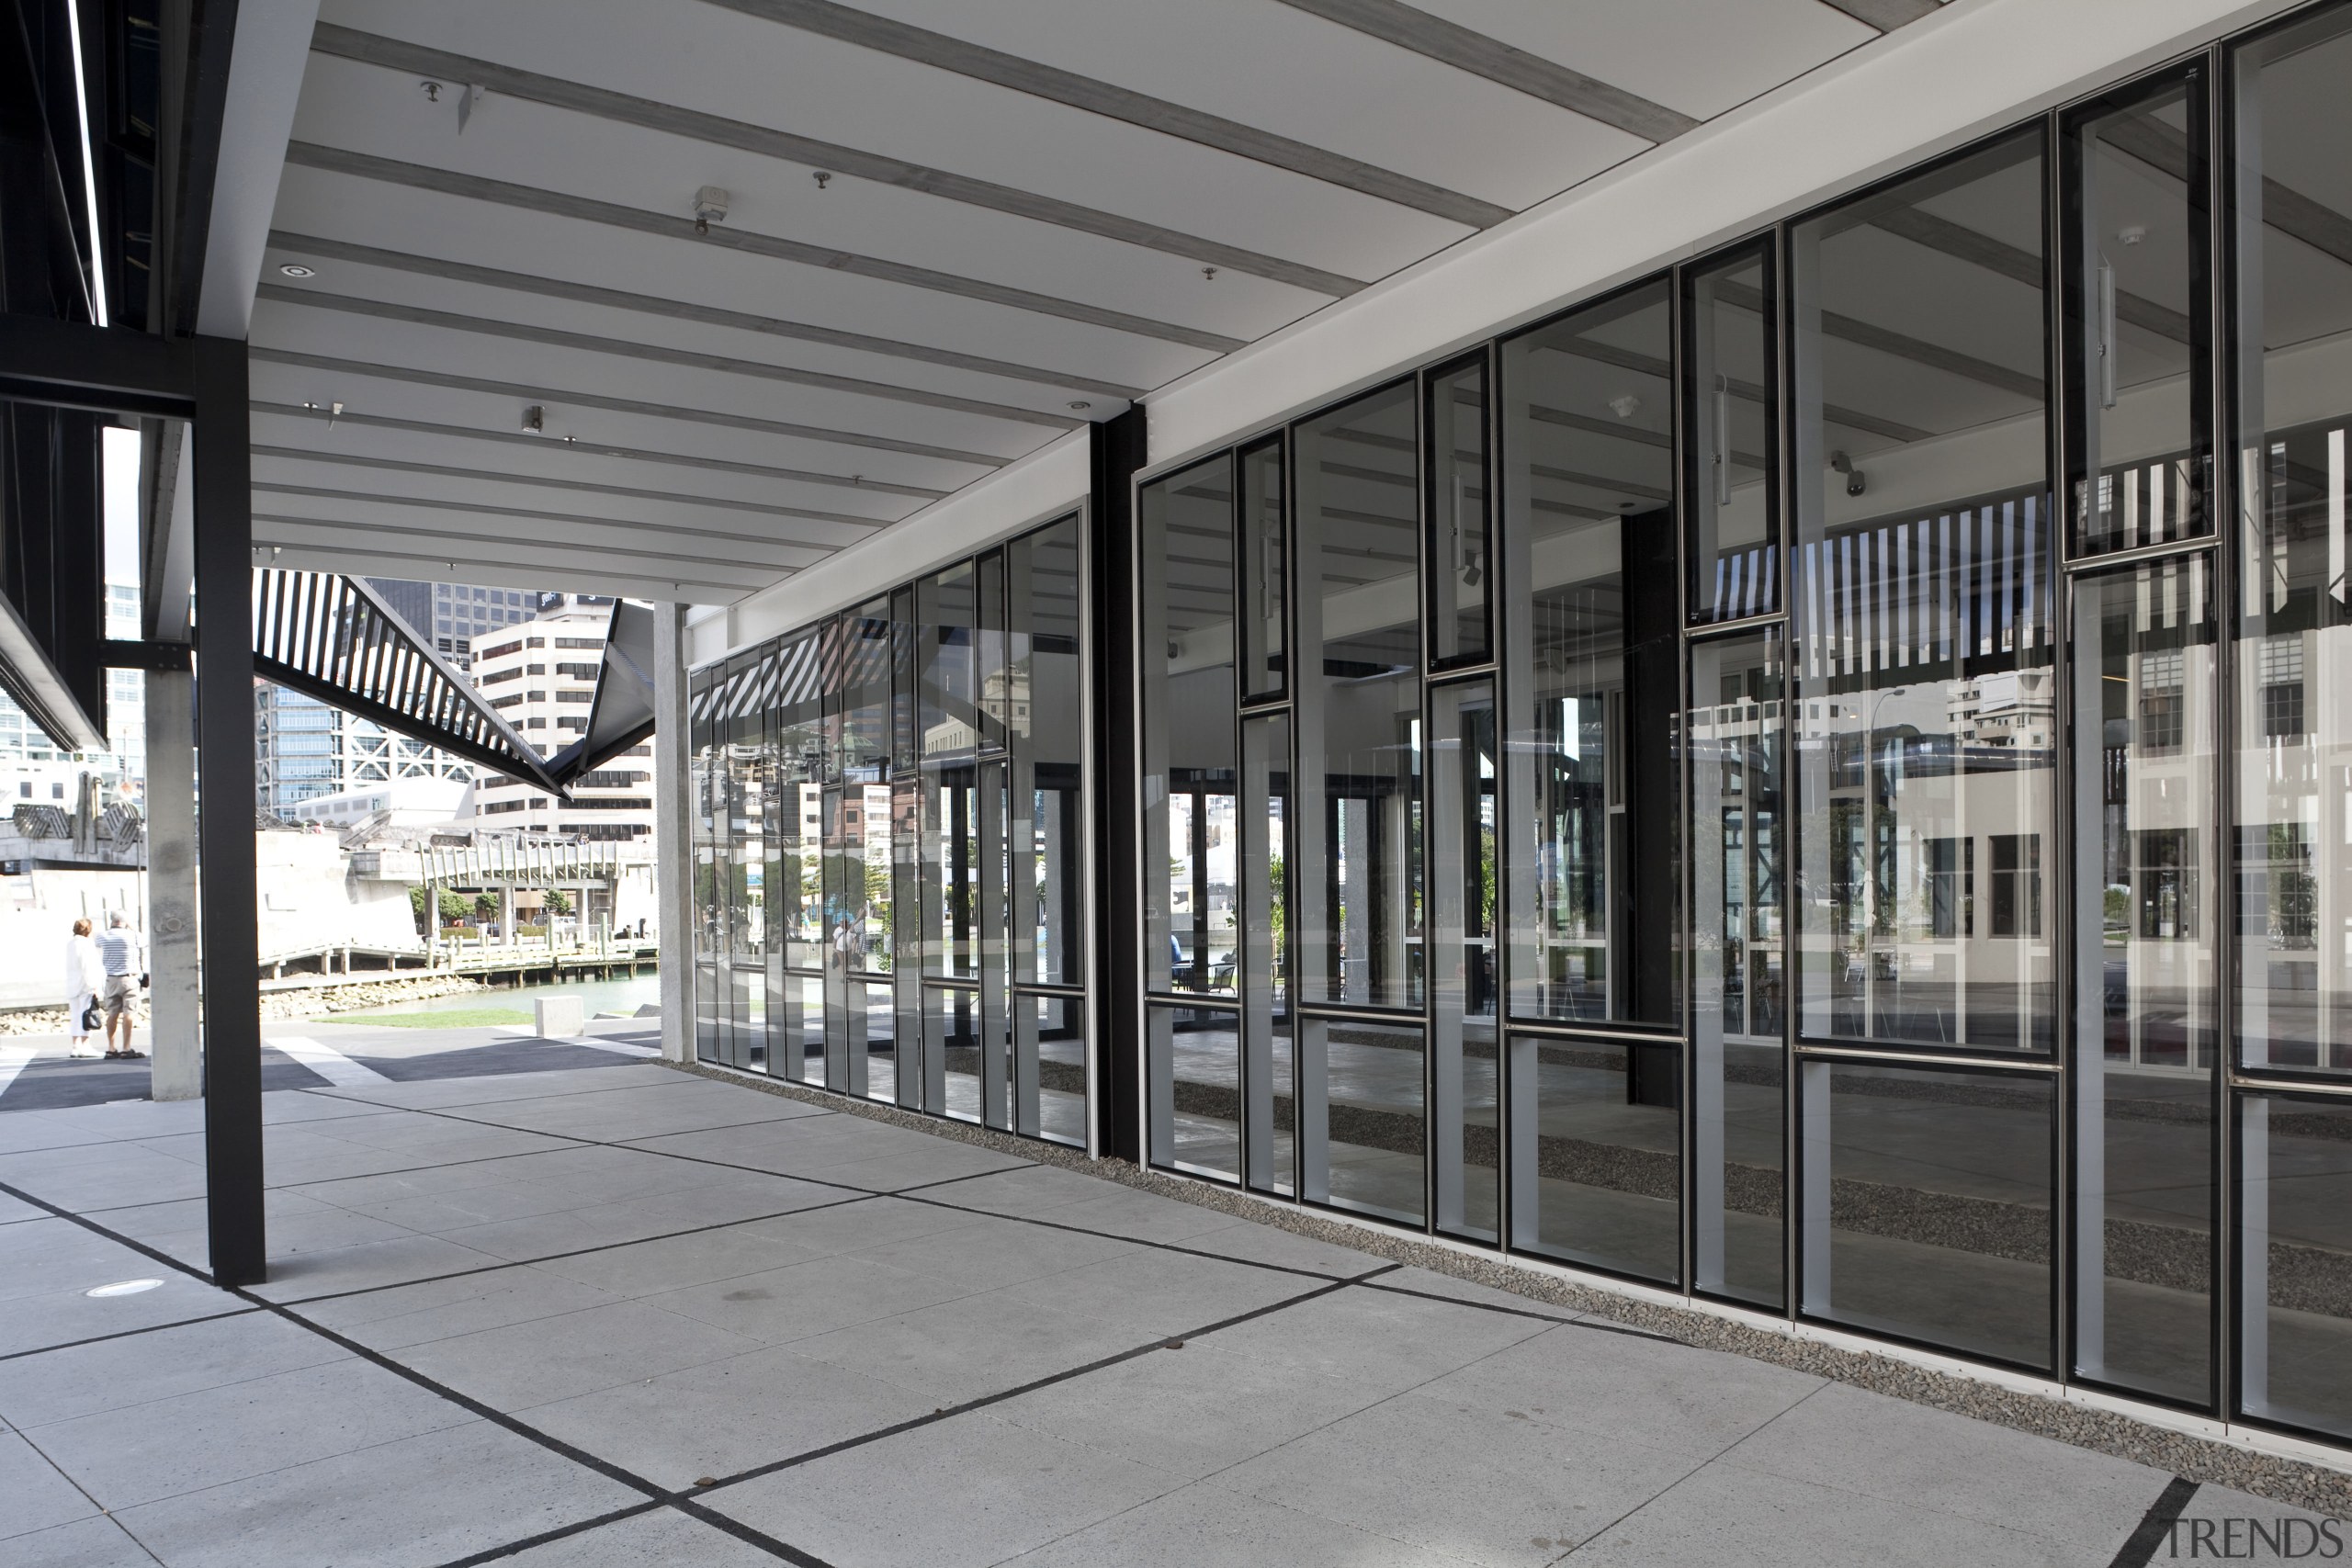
(296, 270)
(1079, 405)
(710, 207)
(1209, 273)
(535, 419)
(432, 91)
(823, 179)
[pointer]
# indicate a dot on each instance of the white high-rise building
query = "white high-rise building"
(541, 677)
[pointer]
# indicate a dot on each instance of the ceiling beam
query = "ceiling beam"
(774, 247)
(569, 545)
(623, 405)
(886, 36)
(685, 311)
(386, 561)
(1884, 15)
(627, 454)
(1433, 37)
(538, 481)
(553, 337)
(648, 114)
(562, 530)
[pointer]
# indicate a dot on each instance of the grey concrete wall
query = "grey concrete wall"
(175, 1001)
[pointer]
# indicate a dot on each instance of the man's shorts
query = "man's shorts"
(121, 991)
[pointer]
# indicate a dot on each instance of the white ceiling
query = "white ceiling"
(1026, 202)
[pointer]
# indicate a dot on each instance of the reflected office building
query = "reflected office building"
(1818, 779)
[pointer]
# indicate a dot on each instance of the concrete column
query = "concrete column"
(177, 1070)
(674, 850)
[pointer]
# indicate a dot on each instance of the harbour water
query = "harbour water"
(595, 996)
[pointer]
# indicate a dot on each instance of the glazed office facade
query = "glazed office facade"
(1821, 779)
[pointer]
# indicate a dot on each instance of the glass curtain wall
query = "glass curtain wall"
(890, 829)
(2288, 680)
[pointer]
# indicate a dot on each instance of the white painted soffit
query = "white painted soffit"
(1047, 483)
(273, 49)
(1970, 69)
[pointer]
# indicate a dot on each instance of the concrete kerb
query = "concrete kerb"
(1981, 1394)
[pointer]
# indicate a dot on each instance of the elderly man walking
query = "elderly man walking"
(120, 952)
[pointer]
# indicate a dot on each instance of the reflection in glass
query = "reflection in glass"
(1193, 1056)
(1591, 612)
(1597, 1155)
(1732, 416)
(856, 664)
(951, 1042)
(751, 788)
(1358, 705)
(1463, 830)
(1185, 553)
(2293, 618)
(948, 720)
(2296, 1261)
(2136, 304)
(2145, 985)
(1460, 504)
(1927, 1205)
(1923, 627)
(1362, 1137)
(1737, 728)
(1049, 1038)
(1265, 569)
(1266, 1020)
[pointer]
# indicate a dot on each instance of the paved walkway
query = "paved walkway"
(615, 1314)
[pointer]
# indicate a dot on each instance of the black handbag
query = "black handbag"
(92, 1019)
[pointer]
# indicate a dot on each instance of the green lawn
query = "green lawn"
(448, 1018)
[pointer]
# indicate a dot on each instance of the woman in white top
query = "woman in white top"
(85, 972)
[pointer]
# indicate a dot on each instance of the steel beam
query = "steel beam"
(229, 942)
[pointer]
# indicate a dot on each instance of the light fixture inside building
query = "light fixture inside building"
(710, 207)
(1855, 482)
(823, 179)
(1624, 405)
(1079, 405)
(296, 270)
(432, 91)
(535, 419)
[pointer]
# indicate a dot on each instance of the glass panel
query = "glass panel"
(1597, 1155)
(798, 898)
(1359, 904)
(950, 727)
(1590, 612)
(748, 789)
(1185, 555)
(1461, 505)
(1463, 828)
(1732, 412)
(1738, 952)
(1927, 1209)
(1923, 627)
(709, 941)
(1264, 570)
(880, 1021)
(2293, 619)
(1195, 1066)
(2137, 316)
(952, 1052)
(1050, 1033)
(2144, 818)
(1046, 728)
(1360, 1116)
(907, 865)
(1265, 993)
(2296, 1323)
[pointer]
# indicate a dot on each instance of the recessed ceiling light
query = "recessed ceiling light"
(123, 1288)
(1081, 404)
(296, 270)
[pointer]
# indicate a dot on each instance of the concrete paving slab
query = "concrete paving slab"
(443, 1309)
(187, 1442)
(865, 1221)
(1846, 1438)
(955, 1354)
(410, 1503)
(1153, 1292)
(725, 1418)
(990, 1491)
(1264, 1244)
(71, 1316)
(1390, 1341)
(996, 1252)
(367, 1267)
(39, 1495)
(1028, 1190)
(97, 1542)
(1191, 1412)
(114, 1374)
(673, 1263)
(811, 1297)
(1728, 1517)
(663, 1536)
(1205, 1527)
(536, 1362)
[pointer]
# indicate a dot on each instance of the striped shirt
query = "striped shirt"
(118, 951)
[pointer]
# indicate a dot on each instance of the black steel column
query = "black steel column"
(1117, 451)
(229, 942)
